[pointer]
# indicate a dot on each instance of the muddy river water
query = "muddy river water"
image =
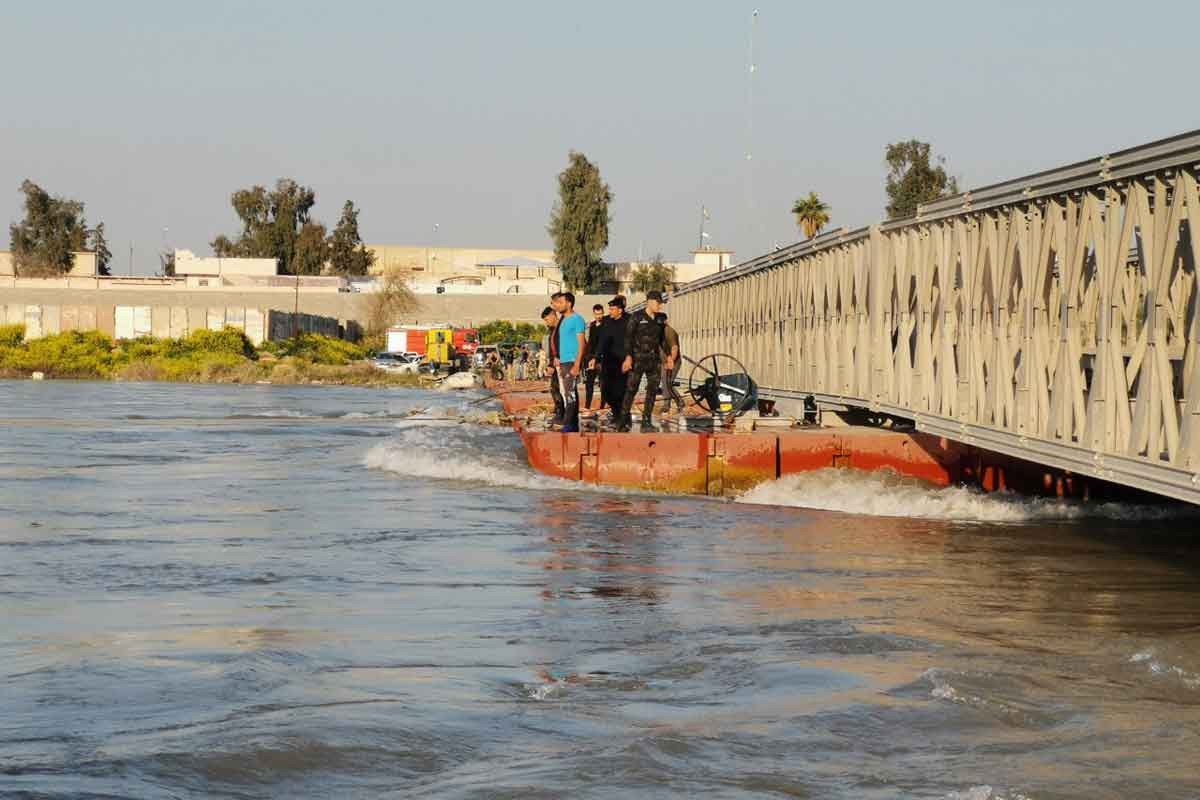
(214, 591)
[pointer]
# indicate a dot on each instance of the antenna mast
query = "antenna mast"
(752, 68)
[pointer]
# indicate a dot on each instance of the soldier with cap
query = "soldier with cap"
(644, 340)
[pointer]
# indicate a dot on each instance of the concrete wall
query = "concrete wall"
(84, 264)
(130, 322)
(464, 310)
(474, 310)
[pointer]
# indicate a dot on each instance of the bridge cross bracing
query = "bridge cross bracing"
(1052, 318)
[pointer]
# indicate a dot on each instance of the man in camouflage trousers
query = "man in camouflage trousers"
(644, 338)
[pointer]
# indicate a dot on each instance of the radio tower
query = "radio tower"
(752, 68)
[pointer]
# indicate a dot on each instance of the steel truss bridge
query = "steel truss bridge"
(1052, 318)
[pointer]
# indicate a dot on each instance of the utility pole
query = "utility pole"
(296, 308)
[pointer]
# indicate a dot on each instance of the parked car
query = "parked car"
(481, 353)
(398, 362)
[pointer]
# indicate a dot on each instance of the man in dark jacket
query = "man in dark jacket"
(610, 351)
(550, 318)
(593, 343)
(644, 339)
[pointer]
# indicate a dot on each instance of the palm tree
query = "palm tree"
(811, 214)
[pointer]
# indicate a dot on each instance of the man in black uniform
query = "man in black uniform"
(610, 352)
(644, 339)
(593, 343)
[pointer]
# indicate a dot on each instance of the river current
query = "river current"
(278, 592)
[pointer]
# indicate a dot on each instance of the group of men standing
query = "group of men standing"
(619, 349)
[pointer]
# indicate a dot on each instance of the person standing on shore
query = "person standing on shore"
(643, 358)
(610, 350)
(593, 343)
(671, 357)
(572, 349)
(550, 319)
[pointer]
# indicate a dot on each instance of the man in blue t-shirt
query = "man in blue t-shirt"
(572, 349)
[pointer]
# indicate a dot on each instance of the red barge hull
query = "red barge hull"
(724, 463)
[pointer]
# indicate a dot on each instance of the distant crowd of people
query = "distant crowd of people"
(515, 363)
(616, 350)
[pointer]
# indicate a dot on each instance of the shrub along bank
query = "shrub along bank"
(225, 356)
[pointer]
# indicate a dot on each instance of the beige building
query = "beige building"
(704, 263)
(214, 270)
(471, 270)
(84, 265)
(446, 262)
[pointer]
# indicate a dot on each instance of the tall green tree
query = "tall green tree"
(166, 263)
(52, 229)
(655, 276)
(811, 214)
(100, 248)
(273, 226)
(311, 250)
(913, 179)
(347, 254)
(579, 223)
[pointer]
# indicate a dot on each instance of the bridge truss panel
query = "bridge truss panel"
(1059, 326)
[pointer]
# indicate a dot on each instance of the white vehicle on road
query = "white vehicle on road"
(398, 362)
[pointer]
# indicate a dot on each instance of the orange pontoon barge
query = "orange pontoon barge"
(725, 463)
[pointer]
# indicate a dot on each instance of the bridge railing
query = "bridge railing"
(1052, 317)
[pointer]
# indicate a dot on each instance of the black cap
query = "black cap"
(655, 295)
(618, 302)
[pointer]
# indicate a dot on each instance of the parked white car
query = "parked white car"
(398, 362)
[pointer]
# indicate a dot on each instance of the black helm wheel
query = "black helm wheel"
(711, 372)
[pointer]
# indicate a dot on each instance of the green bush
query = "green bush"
(202, 356)
(316, 348)
(230, 341)
(73, 354)
(12, 335)
(501, 331)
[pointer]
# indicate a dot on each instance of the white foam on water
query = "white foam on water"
(885, 493)
(451, 450)
(456, 450)
(278, 413)
(986, 792)
(428, 450)
(544, 691)
(1161, 668)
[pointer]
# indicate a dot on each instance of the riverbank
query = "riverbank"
(225, 356)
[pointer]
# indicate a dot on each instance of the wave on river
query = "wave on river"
(884, 493)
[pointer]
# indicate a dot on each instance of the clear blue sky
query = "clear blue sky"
(461, 114)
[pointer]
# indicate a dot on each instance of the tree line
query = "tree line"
(53, 229)
(276, 223)
(580, 217)
(914, 178)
